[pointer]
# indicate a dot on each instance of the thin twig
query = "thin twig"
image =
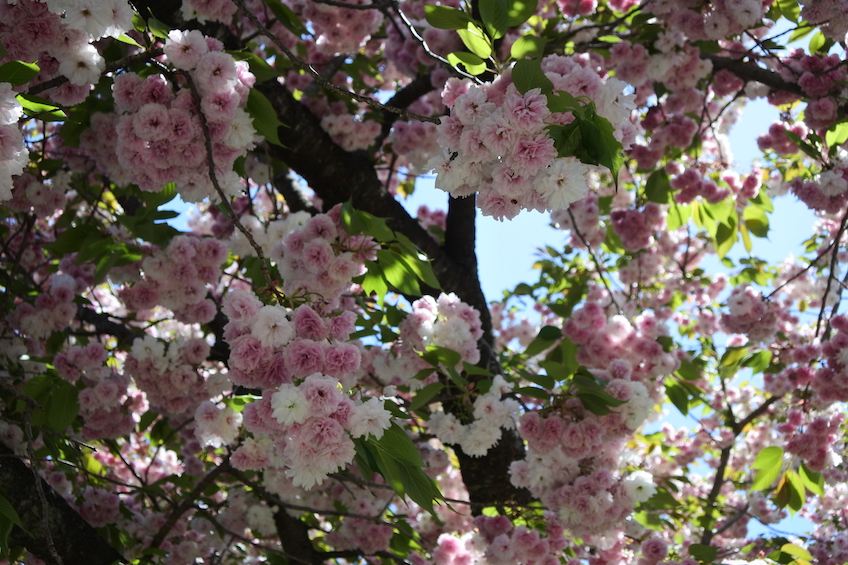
(833, 260)
(210, 161)
(188, 502)
(45, 507)
(594, 260)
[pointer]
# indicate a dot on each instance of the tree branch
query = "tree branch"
(74, 540)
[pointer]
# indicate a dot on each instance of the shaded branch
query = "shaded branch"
(75, 541)
(753, 72)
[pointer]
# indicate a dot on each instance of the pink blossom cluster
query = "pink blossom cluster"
(415, 142)
(816, 444)
(582, 219)
(43, 198)
(821, 79)
(496, 142)
(603, 341)
(312, 424)
(360, 532)
(636, 228)
(829, 14)
(829, 194)
(204, 10)
(777, 140)
(431, 218)
(169, 376)
(13, 152)
(751, 315)
(319, 258)
(508, 326)
(350, 133)
(691, 184)
(58, 35)
(216, 425)
(444, 322)
(829, 382)
(178, 278)
(52, 310)
(342, 31)
(491, 412)
(270, 345)
(508, 544)
(108, 407)
(159, 134)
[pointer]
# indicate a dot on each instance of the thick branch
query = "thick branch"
(752, 72)
(76, 542)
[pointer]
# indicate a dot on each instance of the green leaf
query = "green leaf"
(555, 372)
(756, 221)
(43, 109)
(444, 17)
(425, 396)
(436, 356)
(658, 188)
(473, 64)
(725, 238)
(157, 28)
(789, 9)
(473, 38)
(812, 480)
(397, 273)
(598, 134)
(73, 239)
(703, 553)
(494, 15)
(398, 445)
(803, 30)
(124, 38)
(758, 361)
(527, 74)
(688, 370)
(678, 215)
(796, 551)
(421, 268)
(837, 135)
(265, 119)
(678, 396)
(62, 406)
(528, 46)
(797, 492)
(9, 512)
(817, 42)
(803, 145)
(17, 73)
(286, 16)
(768, 464)
(519, 11)
(544, 340)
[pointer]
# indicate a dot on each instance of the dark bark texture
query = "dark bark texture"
(76, 542)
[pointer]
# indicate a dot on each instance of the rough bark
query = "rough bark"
(75, 540)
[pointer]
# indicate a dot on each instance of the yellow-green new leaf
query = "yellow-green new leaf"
(768, 464)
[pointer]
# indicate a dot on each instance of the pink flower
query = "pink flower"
(341, 359)
(304, 357)
(308, 324)
(152, 122)
(185, 48)
(215, 71)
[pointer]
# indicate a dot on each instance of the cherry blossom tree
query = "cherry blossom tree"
(308, 373)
